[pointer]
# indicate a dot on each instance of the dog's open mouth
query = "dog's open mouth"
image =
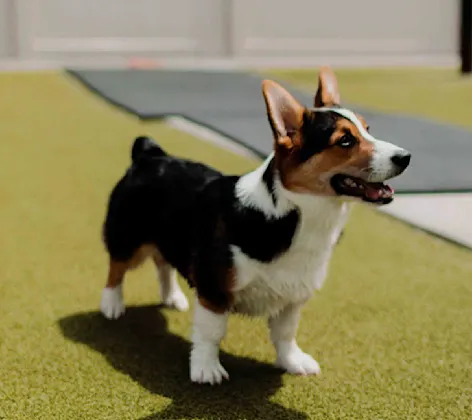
(372, 192)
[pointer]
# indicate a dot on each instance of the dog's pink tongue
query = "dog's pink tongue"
(372, 192)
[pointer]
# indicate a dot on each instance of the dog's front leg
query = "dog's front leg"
(209, 328)
(283, 330)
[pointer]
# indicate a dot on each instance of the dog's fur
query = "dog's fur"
(257, 244)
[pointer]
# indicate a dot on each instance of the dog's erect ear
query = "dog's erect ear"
(328, 91)
(284, 111)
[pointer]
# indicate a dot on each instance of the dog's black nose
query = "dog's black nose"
(401, 160)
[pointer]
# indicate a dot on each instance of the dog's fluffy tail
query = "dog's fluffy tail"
(145, 147)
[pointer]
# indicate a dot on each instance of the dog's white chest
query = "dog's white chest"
(266, 288)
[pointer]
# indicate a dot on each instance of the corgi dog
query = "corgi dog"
(257, 244)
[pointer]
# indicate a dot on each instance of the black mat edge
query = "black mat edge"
(75, 75)
(151, 117)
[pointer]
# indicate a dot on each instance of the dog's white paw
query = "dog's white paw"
(177, 300)
(205, 366)
(211, 372)
(111, 305)
(299, 363)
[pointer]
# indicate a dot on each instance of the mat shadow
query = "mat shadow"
(140, 345)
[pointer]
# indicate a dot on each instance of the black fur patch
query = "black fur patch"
(268, 179)
(155, 202)
(258, 237)
(316, 132)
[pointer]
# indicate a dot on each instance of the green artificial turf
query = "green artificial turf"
(391, 328)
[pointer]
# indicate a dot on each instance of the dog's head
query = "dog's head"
(327, 150)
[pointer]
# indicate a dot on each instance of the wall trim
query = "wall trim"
(113, 44)
(332, 45)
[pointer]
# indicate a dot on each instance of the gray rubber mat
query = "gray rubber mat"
(231, 103)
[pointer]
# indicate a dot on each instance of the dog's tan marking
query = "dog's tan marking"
(362, 120)
(211, 306)
(312, 176)
(212, 271)
(116, 273)
(118, 269)
(224, 304)
(222, 298)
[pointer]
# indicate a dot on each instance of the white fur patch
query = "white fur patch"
(209, 329)
(349, 115)
(253, 193)
(266, 288)
(171, 293)
(111, 305)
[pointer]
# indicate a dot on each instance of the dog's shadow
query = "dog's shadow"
(139, 345)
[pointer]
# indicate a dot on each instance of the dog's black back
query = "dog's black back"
(156, 191)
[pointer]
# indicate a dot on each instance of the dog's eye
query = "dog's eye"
(347, 141)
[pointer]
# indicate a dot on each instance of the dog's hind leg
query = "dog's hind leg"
(112, 305)
(170, 291)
